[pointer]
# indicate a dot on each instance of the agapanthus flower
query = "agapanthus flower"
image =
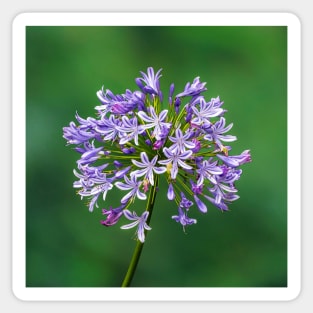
(183, 208)
(174, 159)
(113, 215)
(136, 138)
(183, 218)
(181, 141)
(215, 132)
(194, 89)
(138, 220)
(134, 186)
(147, 168)
(154, 121)
(150, 83)
(129, 130)
(204, 113)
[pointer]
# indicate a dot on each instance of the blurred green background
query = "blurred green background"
(67, 246)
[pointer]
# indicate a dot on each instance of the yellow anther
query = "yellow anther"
(169, 168)
(224, 150)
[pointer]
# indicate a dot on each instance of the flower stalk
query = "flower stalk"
(139, 245)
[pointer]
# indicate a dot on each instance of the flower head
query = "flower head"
(136, 138)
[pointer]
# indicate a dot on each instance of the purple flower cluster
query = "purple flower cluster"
(135, 139)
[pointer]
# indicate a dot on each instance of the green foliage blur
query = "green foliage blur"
(66, 246)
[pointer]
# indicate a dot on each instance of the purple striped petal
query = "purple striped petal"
(163, 115)
(159, 170)
(144, 157)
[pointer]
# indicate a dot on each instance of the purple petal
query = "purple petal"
(154, 160)
(131, 216)
(144, 158)
(163, 115)
(151, 178)
(164, 162)
(184, 165)
(139, 173)
(167, 152)
(143, 115)
(122, 186)
(185, 155)
(138, 164)
(159, 170)
(122, 172)
(141, 195)
(131, 225)
(174, 171)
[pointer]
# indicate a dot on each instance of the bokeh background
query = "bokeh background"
(66, 246)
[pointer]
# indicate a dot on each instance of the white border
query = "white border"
(19, 153)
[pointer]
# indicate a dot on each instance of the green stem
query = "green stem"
(133, 265)
(137, 252)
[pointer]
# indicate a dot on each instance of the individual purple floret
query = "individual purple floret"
(181, 142)
(194, 89)
(215, 133)
(183, 208)
(175, 159)
(130, 130)
(134, 186)
(155, 121)
(113, 215)
(205, 112)
(150, 83)
(182, 218)
(236, 160)
(138, 220)
(208, 169)
(147, 168)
